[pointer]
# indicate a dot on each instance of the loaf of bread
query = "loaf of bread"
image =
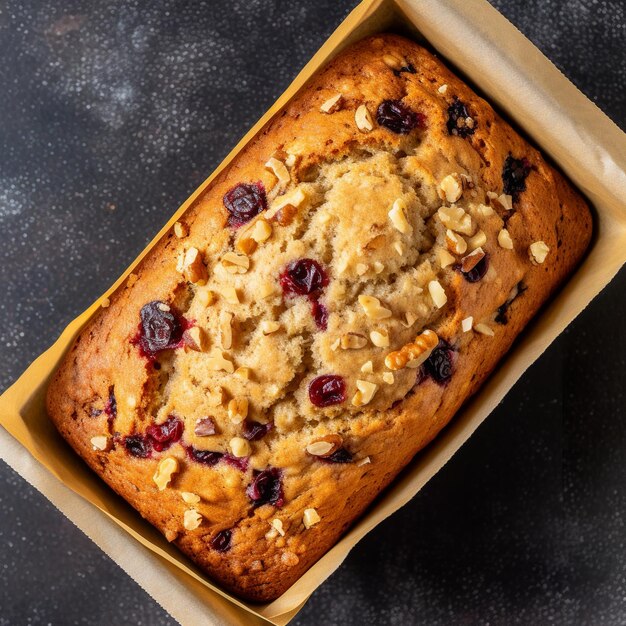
(318, 315)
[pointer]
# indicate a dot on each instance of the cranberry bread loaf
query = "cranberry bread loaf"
(318, 315)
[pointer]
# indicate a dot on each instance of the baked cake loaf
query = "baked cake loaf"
(318, 315)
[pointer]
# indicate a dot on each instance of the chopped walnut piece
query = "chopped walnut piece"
(310, 517)
(367, 368)
(437, 293)
(236, 263)
(373, 308)
(397, 215)
(484, 210)
(285, 215)
(101, 443)
(243, 373)
(268, 327)
(196, 339)
(445, 258)
(163, 475)
(192, 519)
(279, 169)
(365, 393)
(106, 303)
(443, 89)
(456, 219)
(393, 62)
(266, 289)
(467, 323)
(239, 447)
(361, 268)
(413, 353)
(505, 201)
(455, 243)
(190, 498)
(504, 239)
(230, 295)
(538, 251)
(181, 230)
(389, 378)
(216, 396)
(451, 188)
(217, 361)
(353, 341)
(471, 260)
(478, 240)
(380, 338)
(332, 104)
(484, 329)
(363, 119)
(278, 526)
(205, 297)
(205, 427)
(364, 461)
(246, 245)
(193, 268)
(238, 410)
(324, 446)
(261, 231)
(411, 318)
(226, 330)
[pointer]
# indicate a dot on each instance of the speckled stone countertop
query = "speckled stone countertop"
(111, 113)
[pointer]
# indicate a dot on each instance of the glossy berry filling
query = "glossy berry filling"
(339, 456)
(439, 364)
(159, 329)
(457, 120)
(244, 202)
(138, 446)
(266, 488)
(320, 314)
(221, 541)
(303, 277)
(398, 117)
(478, 271)
(165, 434)
(240, 462)
(253, 431)
(514, 174)
(206, 457)
(327, 390)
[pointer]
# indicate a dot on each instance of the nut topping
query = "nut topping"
(230, 295)
(310, 517)
(478, 240)
(193, 269)
(325, 446)
(451, 188)
(538, 252)
(504, 239)
(484, 329)
(456, 219)
(363, 119)
(226, 330)
(353, 341)
(388, 378)
(455, 243)
(268, 327)
(373, 308)
(467, 323)
(445, 258)
(165, 469)
(332, 104)
(239, 447)
(397, 215)
(196, 339)
(181, 230)
(279, 169)
(437, 293)
(192, 519)
(380, 338)
(415, 352)
(470, 261)
(238, 410)
(216, 396)
(236, 263)
(217, 361)
(365, 393)
(205, 427)
(100, 442)
(190, 498)
(393, 62)
(367, 368)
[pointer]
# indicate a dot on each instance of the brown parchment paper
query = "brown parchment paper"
(499, 61)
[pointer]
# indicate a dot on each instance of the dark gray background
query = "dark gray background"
(111, 113)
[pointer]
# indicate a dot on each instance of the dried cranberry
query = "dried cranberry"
(253, 431)
(221, 541)
(339, 456)
(514, 174)
(266, 487)
(138, 446)
(478, 271)
(303, 277)
(397, 117)
(240, 462)
(244, 202)
(409, 69)
(439, 363)
(327, 390)
(457, 119)
(320, 314)
(110, 408)
(206, 457)
(165, 434)
(159, 329)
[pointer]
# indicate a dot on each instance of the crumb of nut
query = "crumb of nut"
(106, 302)
(389, 378)
(256, 566)
(332, 104)
(504, 239)
(380, 338)
(193, 268)
(236, 263)
(230, 295)
(443, 89)
(413, 353)
(261, 231)
(285, 215)
(437, 293)
(364, 461)
(373, 308)
(243, 373)
(538, 251)
(451, 188)
(131, 402)
(392, 61)
(324, 446)
(505, 201)
(216, 396)
(279, 169)
(266, 289)
(217, 362)
(365, 392)
(239, 447)
(205, 427)
(269, 327)
(163, 475)
(132, 279)
(246, 245)
(445, 258)
(467, 323)
(484, 210)
(196, 339)
(289, 559)
(363, 119)
(378, 267)
(478, 240)
(484, 329)
(455, 242)
(456, 219)
(181, 230)
(171, 535)
(101, 443)
(190, 498)
(410, 318)
(310, 517)
(361, 268)
(205, 297)
(367, 368)
(353, 341)
(334, 346)
(291, 159)
(192, 519)
(278, 525)
(471, 260)
(226, 330)
(238, 410)
(397, 215)
(399, 248)
(271, 534)
(293, 198)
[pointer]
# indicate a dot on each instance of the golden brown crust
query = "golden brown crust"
(103, 358)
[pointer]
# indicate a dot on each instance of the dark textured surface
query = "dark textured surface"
(111, 114)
